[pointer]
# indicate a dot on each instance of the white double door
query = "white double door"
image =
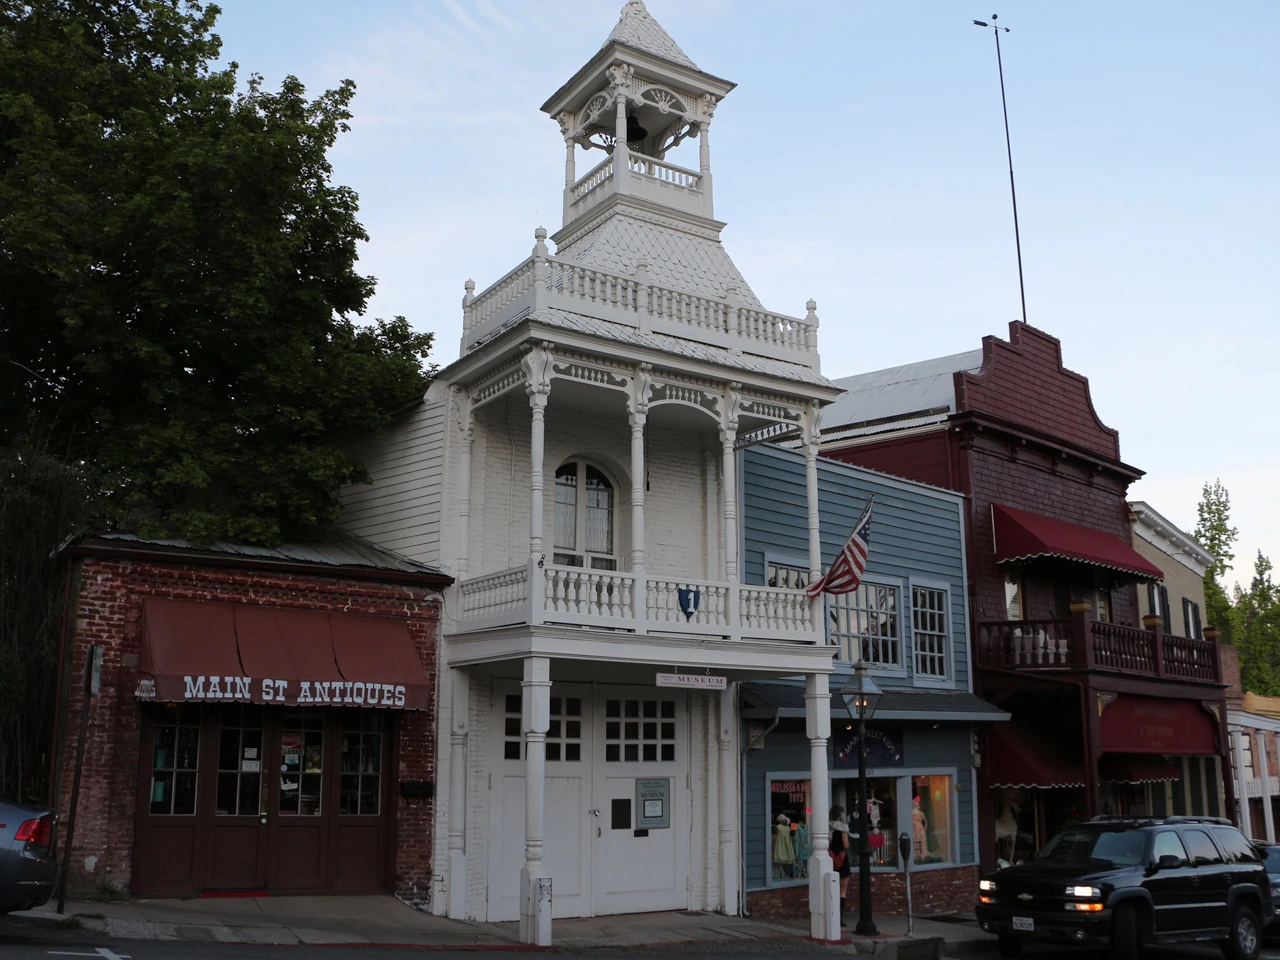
(600, 855)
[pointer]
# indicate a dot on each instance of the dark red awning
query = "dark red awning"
(1157, 725)
(1021, 535)
(1018, 757)
(237, 653)
(1136, 768)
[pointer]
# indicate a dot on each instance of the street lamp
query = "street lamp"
(860, 695)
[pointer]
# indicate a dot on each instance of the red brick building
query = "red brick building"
(220, 667)
(1100, 703)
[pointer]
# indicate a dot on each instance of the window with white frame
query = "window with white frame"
(930, 631)
(865, 624)
(584, 518)
(781, 574)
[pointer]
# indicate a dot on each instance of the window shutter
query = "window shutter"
(1186, 618)
(1153, 599)
(1195, 611)
(1164, 609)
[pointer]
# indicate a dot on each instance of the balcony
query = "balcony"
(548, 282)
(646, 177)
(604, 599)
(1082, 643)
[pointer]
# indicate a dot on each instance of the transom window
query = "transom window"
(639, 730)
(864, 624)
(930, 623)
(584, 518)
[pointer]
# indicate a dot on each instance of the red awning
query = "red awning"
(1147, 725)
(1136, 768)
(1021, 535)
(1018, 757)
(226, 652)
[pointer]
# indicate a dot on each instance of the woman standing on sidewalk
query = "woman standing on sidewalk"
(840, 853)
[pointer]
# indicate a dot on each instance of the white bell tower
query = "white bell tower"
(636, 99)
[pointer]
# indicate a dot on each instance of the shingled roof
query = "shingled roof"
(637, 28)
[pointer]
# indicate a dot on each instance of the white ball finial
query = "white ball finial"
(540, 234)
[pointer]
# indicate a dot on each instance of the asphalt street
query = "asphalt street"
(24, 940)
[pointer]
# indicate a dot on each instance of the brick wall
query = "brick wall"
(1229, 657)
(109, 613)
(950, 891)
(1022, 380)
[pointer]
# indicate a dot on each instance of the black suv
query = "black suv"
(1134, 882)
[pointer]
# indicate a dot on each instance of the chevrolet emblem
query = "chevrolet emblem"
(1024, 896)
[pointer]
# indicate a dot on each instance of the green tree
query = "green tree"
(1215, 533)
(1256, 622)
(177, 274)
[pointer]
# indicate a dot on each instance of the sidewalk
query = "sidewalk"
(382, 920)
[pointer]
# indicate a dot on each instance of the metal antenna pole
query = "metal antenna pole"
(1008, 146)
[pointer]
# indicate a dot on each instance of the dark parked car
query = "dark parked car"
(1129, 883)
(1271, 858)
(27, 865)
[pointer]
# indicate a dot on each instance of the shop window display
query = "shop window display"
(931, 819)
(1028, 817)
(790, 842)
(882, 815)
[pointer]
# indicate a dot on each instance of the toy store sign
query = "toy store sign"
(883, 747)
(217, 689)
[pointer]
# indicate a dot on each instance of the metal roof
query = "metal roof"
(788, 699)
(338, 549)
(913, 388)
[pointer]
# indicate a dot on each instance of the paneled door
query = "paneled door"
(235, 822)
(300, 834)
(640, 852)
(569, 822)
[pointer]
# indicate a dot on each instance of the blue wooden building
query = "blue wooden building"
(909, 622)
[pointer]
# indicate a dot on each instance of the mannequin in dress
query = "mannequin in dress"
(919, 826)
(784, 851)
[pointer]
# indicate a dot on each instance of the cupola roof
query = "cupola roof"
(637, 28)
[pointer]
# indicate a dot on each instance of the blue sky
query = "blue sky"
(861, 162)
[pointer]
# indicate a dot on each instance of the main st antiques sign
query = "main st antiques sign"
(206, 689)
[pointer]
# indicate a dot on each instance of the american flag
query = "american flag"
(846, 573)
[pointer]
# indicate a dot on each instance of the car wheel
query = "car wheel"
(1244, 940)
(1010, 947)
(1125, 942)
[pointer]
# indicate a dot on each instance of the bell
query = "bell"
(635, 132)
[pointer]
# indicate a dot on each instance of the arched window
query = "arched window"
(584, 518)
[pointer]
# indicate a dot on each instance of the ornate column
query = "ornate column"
(537, 371)
(570, 165)
(465, 420)
(459, 727)
(816, 606)
(535, 884)
(728, 789)
(824, 885)
(619, 82)
(638, 412)
(1264, 774)
(704, 165)
(729, 497)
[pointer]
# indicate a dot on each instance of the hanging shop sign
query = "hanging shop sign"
(884, 746)
(692, 681)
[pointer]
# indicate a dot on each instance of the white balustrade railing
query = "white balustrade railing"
(488, 305)
(588, 593)
(610, 599)
(773, 328)
(598, 174)
(776, 609)
(496, 596)
(701, 313)
(661, 170)
(662, 602)
(586, 284)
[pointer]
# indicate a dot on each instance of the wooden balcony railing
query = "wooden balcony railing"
(1083, 643)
